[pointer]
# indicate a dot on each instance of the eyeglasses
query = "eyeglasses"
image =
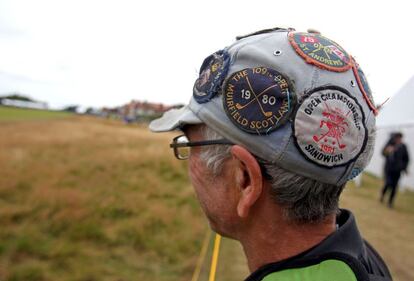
(182, 145)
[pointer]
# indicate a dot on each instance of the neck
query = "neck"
(273, 242)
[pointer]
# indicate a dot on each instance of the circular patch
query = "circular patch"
(257, 100)
(212, 73)
(320, 51)
(364, 87)
(330, 127)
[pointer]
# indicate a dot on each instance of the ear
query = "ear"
(250, 181)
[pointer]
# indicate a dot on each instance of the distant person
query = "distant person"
(396, 161)
(278, 123)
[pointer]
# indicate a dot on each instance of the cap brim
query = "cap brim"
(174, 119)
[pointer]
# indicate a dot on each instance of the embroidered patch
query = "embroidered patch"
(320, 51)
(212, 73)
(364, 87)
(330, 127)
(257, 100)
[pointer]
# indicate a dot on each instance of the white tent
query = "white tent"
(397, 115)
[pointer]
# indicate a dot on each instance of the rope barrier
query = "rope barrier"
(202, 256)
(214, 258)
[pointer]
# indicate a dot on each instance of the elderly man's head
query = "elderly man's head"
(280, 118)
(229, 179)
(278, 123)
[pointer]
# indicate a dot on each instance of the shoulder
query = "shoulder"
(344, 253)
(374, 263)
(328, 267)
(332, 266)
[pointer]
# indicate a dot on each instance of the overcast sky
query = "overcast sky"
(105, 53)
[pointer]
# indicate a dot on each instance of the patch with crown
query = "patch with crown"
(212, 73)
(329, 127)
(257, 100)
(320, 51)
(364, 87)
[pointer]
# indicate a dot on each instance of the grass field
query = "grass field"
(87, 199)
(16, 114)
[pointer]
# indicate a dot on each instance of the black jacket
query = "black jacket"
(397, 160)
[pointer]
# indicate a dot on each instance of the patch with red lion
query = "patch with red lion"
(330, 127)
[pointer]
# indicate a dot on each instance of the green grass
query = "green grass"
(390, 231)
(19, 114)
(371, 188)
(88, 199)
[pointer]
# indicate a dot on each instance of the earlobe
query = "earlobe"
(250, 183)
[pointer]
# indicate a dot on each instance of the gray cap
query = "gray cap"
(296, 99)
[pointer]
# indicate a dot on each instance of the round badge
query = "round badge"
(212, 73)
(320, 51)
(257, 100)
(364, 87)
(330, 127)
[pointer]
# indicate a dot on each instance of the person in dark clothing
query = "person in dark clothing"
(396, 161)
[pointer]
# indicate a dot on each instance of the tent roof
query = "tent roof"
(400, 109)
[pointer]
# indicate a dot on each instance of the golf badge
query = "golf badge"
(257, 100)
(364, 87)
(212, 73)
(329, 127)
(320, 51)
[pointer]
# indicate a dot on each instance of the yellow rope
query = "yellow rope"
(202, 256)
(214, 258)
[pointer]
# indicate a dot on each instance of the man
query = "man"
(396, 161)
(277, 124)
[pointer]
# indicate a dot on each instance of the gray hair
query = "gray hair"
(304, 200)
